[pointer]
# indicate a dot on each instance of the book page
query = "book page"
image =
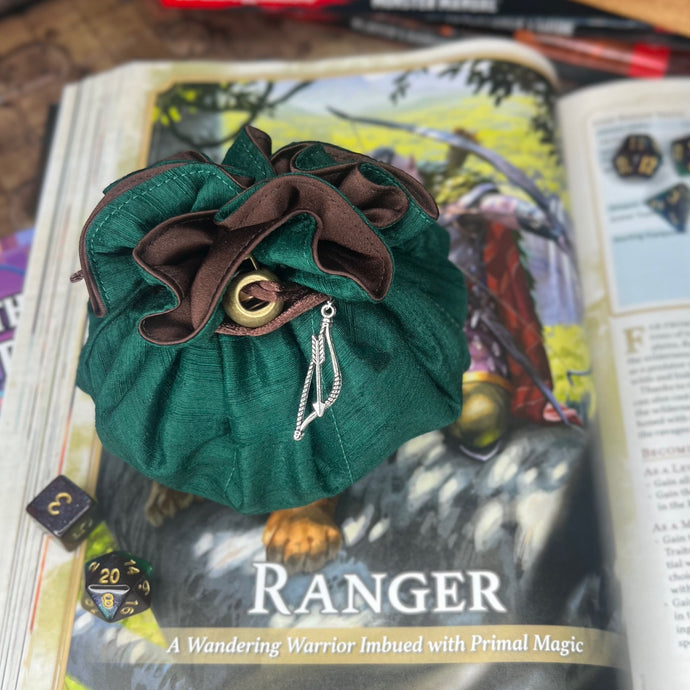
(473, 557)
(633, 249)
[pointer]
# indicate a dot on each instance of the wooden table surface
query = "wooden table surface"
(52, 42)
(673, 15)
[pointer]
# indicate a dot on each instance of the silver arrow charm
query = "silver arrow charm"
(319, 343)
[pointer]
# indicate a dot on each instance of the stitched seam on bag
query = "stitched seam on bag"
(138, 195)
(228, 423)
(232, 474)
(342, 447)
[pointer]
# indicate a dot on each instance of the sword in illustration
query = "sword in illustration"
(503, 335)
(511, 172)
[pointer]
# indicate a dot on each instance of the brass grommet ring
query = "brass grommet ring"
(245, 310)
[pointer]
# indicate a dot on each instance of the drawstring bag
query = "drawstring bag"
(266, 331)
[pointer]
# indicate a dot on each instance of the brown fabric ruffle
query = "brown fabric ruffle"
(195, 256)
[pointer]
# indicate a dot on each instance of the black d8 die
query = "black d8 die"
(680, 149)
(66, 511)
(637, 156)
(116, 585)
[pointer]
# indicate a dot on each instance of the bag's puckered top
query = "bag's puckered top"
(202, 365)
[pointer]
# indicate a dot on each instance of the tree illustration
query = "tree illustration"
(248, 99)
(504, 79)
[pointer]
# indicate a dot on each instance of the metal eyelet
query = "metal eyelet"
(245, 310)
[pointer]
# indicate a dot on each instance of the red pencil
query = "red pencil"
(618, 57)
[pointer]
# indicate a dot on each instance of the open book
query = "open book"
(539, 543)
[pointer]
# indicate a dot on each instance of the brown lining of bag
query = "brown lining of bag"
(285, 160)
(119, 188)
(196, 257)
(174, 251)
(198, 284)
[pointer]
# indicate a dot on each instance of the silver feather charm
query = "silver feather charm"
(319, 344)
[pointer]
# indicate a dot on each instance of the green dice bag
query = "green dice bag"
(367, 337)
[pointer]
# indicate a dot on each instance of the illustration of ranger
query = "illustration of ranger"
(509, 375)
(509, 372)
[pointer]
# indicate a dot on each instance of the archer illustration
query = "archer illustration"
(509, 375)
